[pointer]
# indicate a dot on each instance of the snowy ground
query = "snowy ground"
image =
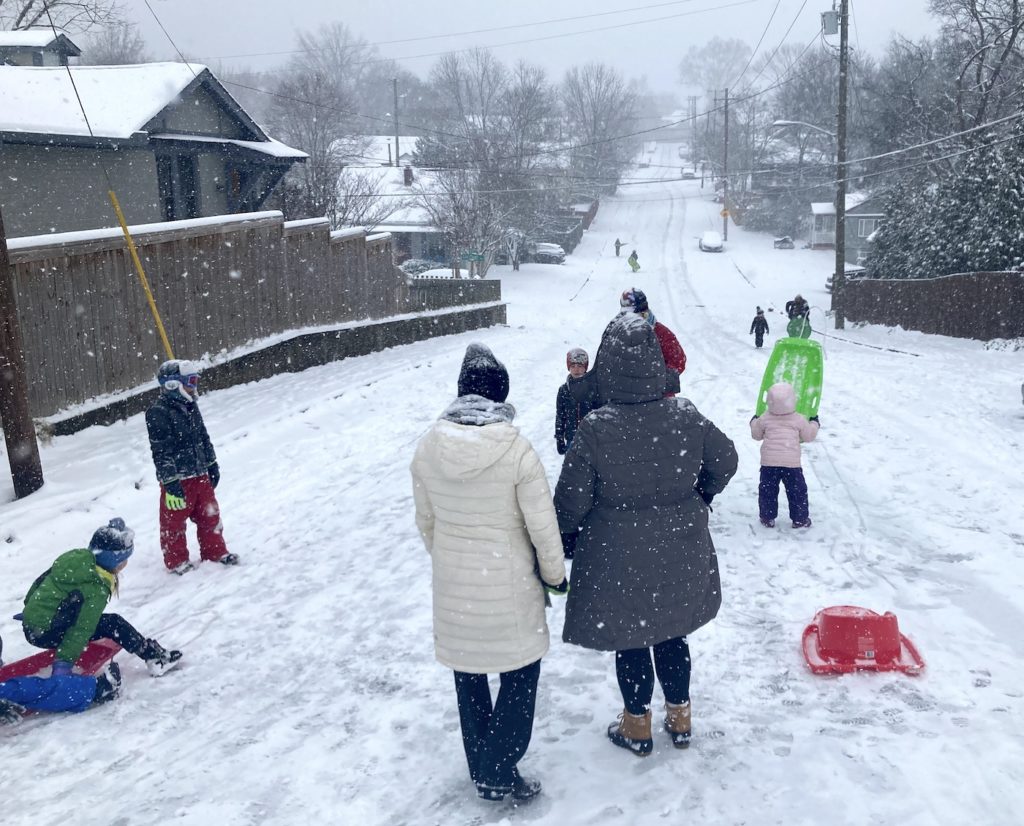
(310, 692)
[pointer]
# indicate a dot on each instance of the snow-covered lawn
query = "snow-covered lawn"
(310, 694)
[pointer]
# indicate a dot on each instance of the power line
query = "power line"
(537, 153)
(771, 57)
(758, 46)
(465, 33)
(554, 36)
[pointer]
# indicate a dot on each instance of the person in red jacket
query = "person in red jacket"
(671, 349)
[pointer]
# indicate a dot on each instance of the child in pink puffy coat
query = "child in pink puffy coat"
(780, 431)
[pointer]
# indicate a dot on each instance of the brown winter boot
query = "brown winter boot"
(677, 723)
(633, 732)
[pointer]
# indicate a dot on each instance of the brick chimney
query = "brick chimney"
(407, 175)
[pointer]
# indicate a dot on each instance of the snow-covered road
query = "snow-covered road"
(310, 692)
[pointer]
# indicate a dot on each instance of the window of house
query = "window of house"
(865, 226)
(825, 223)
(178, 186)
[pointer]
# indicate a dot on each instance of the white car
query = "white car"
(710, 241)
(549, 254)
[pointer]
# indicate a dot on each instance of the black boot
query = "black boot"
(158, 659)
(10, 713)
(522, 789)
(108, 684)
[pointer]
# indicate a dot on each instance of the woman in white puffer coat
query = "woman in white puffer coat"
(484, 510)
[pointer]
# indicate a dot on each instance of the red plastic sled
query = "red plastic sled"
(845, 638)
(96, 655)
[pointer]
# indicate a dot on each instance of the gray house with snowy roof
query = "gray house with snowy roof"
(36, 47)
(167, 138)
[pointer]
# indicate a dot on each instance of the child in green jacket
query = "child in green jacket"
(64, 607)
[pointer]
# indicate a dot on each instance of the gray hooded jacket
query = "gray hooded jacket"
(634, 484)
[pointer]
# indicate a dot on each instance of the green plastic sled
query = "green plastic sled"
(797, 361)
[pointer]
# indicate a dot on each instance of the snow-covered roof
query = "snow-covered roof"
(31, 38)
(410, 216)
(375, 148)
(119, 100)
(853, 199)
(271, 147)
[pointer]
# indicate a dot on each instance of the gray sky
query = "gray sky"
(210, 30)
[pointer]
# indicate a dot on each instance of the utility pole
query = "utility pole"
(394, 84)
(691, 112)
(725, 173)
(19, 432)
(838, 278)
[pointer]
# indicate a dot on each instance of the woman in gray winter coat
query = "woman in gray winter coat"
(636, 486)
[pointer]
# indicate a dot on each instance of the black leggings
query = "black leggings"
(110, 627)
(636, 674)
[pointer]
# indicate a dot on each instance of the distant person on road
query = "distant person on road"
(798, 311)
(484, 512)
(781, 431)
(618, 246)
(758, 328)
(576, 398)
(634, 262)
(633, 495)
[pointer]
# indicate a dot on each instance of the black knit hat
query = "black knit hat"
(482, 374)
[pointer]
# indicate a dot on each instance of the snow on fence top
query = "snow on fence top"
(58, 239)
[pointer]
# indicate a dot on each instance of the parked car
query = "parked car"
(688, 175)
(853, 272)
(549, 254)
(784, 243)
(710, 241)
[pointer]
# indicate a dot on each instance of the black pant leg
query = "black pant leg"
(768, 492)
(635, 674)
(474, 696)
(511, 726)
(672, 664)
(117, 628)
(796, 494)
(64, 617)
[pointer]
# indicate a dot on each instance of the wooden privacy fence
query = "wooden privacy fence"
(980, 305)
(220, 283)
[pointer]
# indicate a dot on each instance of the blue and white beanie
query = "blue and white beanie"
(112, 544)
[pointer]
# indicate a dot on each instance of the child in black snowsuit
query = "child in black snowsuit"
(576, 398)
(758, 328)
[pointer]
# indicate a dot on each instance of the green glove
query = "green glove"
(558, 590)
(174, 496)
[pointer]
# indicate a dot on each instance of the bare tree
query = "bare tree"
(984, 36)
(713, 65)
(71, 15)
(313, 110)
(115, 44)
(361, 200)
(461, 209)
(600, 108)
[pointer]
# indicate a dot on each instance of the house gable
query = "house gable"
(205, 108)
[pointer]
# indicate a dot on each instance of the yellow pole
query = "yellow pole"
(142, 274)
